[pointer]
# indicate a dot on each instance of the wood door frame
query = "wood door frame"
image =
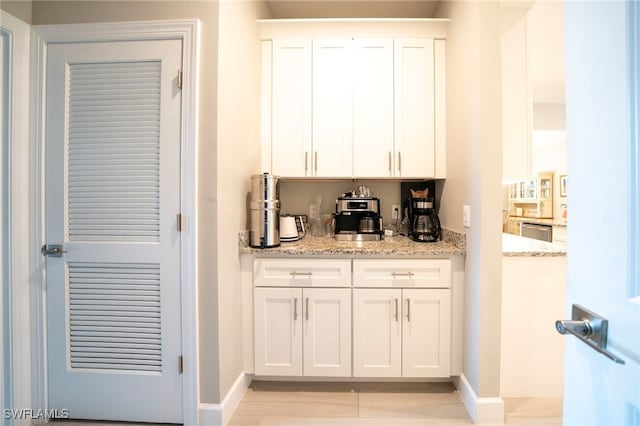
(18, 304)
(188, 32)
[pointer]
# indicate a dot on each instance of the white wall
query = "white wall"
(474, 175)
(238, 157)
(532, 353)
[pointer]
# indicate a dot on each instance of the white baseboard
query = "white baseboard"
(220, 414)
(483, 411)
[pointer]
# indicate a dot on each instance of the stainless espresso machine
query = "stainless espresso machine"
(358, 219)
(265, 211)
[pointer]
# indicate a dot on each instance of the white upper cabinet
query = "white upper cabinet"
(354, 105)
(414, 95)
(291, 107)
(373, 108)
(332, 108)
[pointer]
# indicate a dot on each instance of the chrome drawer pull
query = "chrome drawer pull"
(396, 310)
(304, 274)
(408, 310)
(295, 308)
(307, 309)
(402, 274)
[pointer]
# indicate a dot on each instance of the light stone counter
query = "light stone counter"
(326, 246)
(513, 245)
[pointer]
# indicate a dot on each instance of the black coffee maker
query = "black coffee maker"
(424, 225)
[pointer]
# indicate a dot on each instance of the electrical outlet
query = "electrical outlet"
(466, 216)
(395, 211)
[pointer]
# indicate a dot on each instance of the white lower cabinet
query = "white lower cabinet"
(426, 333)
(278, 331)
(393, 316)
(377, 333)
(401, 332)
(302, 332)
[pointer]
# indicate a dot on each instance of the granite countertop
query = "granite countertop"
(513, 245)
(327, 246)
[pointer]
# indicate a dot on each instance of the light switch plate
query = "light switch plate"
(466, 216)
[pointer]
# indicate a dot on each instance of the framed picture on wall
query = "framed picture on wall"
(563, 185)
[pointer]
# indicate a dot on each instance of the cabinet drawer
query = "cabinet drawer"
(302, 272)
(418, 273)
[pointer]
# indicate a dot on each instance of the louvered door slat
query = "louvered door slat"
(113, 128)
(131, 287)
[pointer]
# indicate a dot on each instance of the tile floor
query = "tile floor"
(367, 404)
(401, 404)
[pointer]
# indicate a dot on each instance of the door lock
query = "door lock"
(53, 250)
(589, 328)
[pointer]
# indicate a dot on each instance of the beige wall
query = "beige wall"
(295, 197)
(238, 157)
(19, 9)
(474, 175)
(66, 12)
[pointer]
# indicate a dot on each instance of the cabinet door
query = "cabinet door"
(327, 332)
(332, 106)
(377, 333)
(426, 333)
(278, 331)
(373, 108)
(291, 108)
(414, 93)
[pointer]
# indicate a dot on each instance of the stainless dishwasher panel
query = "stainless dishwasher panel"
(539, 232)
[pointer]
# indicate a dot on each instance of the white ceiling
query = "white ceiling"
(291, 9)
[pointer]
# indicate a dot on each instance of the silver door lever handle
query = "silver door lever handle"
(580, 328)
(590, 328)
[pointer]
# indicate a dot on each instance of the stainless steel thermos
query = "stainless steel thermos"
(265, 211)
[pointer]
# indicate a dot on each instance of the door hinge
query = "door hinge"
(180, 364)
(179, 79)
(179, 222)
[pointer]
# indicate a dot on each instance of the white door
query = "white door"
(377, 333)
(414, 94)
(373, 108)
(291, 108)
(332, 106)
(327, 332)
(112, 194)
(604, 252)
(426, 333)
(278, 331)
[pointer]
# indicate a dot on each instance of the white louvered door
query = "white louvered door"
(112, 194)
